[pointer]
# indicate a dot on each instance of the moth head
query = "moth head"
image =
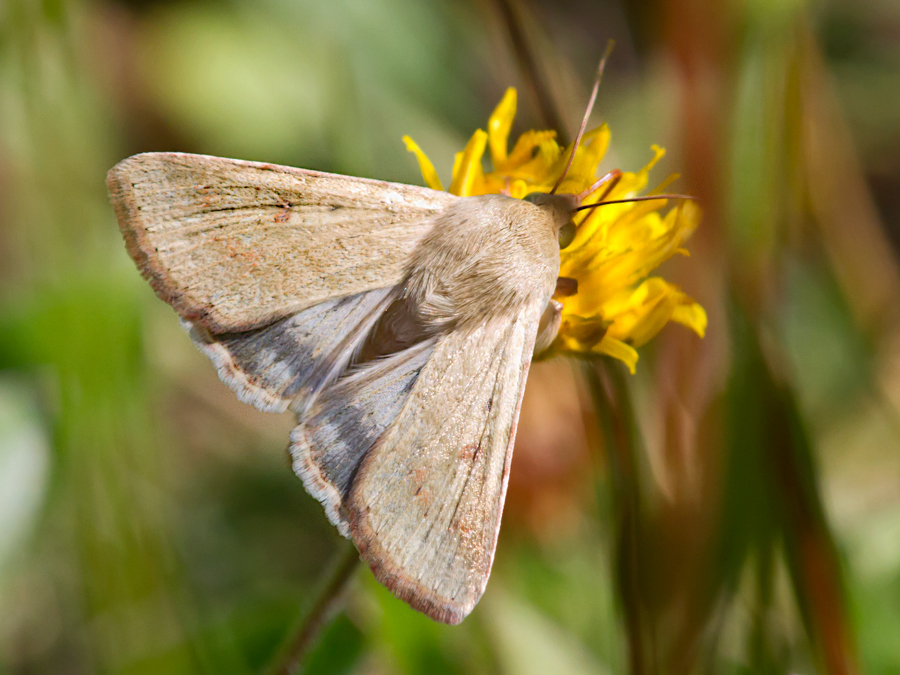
(559, 209)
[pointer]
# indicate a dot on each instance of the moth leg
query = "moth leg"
(548, 326)
(565, 287)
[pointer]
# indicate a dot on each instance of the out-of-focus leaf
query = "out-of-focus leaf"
(831, 361)
(223, 77)
(24, 469)
(528, 643)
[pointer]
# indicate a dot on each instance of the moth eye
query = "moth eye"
(534, 197)
(566, 234)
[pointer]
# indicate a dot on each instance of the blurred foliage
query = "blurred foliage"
(733, 508)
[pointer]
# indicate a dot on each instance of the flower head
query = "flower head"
(617, 306)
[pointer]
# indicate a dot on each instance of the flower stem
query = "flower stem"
(323, 609)
(615, 416)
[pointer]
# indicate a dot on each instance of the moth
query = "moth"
(397, 322)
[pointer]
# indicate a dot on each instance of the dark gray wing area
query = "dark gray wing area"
(347, 420)
(286, 363)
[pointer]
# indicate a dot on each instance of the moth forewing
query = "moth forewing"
(235, 245)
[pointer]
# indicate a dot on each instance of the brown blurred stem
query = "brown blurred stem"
(323, 609)
(615, 415)
(811, 550)
(548, 111)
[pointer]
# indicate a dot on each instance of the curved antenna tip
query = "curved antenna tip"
(587, 113)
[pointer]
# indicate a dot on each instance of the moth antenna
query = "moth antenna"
(644, 198)
(613, 178)
(587, 114)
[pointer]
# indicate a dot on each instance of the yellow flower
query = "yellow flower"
(617, 307)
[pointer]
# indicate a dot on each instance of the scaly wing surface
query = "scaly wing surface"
(235, 245)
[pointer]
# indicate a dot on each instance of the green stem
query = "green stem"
(323, 609)
(615, 416)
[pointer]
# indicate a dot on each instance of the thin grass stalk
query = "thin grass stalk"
(548, 111)
(324, 608)
(811, 551)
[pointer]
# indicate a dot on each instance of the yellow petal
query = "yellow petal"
(658, 154)
(619, 350)
(580, 334)
(540, 169)
(499, 125)
(583, 172)
(432, 180)
(691, 315)
(524, 148)
(518, 189)
(671, 178)
(630, 183)
(467, 168)
(630, 300)
(652, 307)
(688, 217)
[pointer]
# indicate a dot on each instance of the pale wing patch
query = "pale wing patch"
(235, 245)
(426, 503)
(289, 361)
(346, 421)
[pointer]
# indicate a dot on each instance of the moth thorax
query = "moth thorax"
(489, 255)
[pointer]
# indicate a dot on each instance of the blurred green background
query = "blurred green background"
(733, 508)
